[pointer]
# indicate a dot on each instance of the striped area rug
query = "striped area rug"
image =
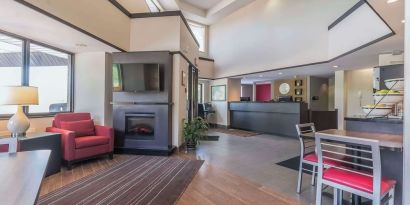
(138, 180)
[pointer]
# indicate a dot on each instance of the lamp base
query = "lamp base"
(18, 124)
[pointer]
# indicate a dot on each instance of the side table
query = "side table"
(44, 141)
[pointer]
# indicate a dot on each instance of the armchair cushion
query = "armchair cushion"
(81, 127)
(91, 141)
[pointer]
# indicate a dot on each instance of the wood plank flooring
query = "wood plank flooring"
(212, 185)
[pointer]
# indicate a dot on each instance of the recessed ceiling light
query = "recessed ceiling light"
(391, 1)
(260, 76)
(335, 66)
(403, 21)
(280, 73)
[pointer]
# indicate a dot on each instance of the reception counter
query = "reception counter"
(268, 117)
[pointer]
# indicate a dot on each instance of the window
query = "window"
(199, 31)
(47, 68)
(11, 66)
(49, 71)
(200, 93)
(154, 5)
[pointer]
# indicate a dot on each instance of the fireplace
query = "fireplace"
(140, 126)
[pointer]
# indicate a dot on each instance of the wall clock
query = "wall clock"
(284, 88)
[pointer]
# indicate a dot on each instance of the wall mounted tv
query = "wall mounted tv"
(138, 77)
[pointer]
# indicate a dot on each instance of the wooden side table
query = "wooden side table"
(44, 141)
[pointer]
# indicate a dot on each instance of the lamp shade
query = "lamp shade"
(18, 95)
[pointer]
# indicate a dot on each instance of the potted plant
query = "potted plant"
(193, 131)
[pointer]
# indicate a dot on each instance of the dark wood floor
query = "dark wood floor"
(211, 185)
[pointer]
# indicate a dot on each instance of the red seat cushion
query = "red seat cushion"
(313, 158)
(356, 181)
(81, 127)
(91, 141)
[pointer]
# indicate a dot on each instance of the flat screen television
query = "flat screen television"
(138, 77)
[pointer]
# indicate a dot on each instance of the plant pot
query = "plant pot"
(190, 145)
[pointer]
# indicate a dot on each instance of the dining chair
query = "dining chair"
(306, 133)
(360, 176)
(8, 145)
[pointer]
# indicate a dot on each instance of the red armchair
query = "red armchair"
(80, 138)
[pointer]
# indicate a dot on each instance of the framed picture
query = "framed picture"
(298, 82)
(218, 93)
(298, 91)
(298, 99)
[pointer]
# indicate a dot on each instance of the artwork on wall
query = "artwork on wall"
(298, 91)
(298, 82)
(218, 93)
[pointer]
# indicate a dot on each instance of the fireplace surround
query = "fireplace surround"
(142, 121)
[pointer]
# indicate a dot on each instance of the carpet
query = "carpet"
(209, 138)
(293, 163)
(139, 180)
(236, 132)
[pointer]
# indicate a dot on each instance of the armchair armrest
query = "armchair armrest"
(106, 131)
(67, 142)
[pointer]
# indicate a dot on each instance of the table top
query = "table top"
(34, 135)
(386, 140)
(21, 175)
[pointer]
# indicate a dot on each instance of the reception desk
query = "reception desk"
(268, 117)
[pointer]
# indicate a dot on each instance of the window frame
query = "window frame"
(206, 40)
(25, 71)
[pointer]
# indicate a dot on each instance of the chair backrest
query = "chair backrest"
(307, 145)
(355, 155)
(8, 145)
(201, 111)
(67, 117)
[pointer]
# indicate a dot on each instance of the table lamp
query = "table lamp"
(20, 96)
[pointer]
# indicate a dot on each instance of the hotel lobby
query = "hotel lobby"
(204, 102)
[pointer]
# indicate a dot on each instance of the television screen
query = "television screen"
(137, 77)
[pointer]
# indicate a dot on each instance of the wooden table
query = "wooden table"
(21, 175)
(386, 140)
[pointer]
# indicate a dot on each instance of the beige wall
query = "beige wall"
(93, 86)
(100, 18)
(156, 33)
(188, 45)
(179, 97)
(359, 90)
(206, 69)
(291, 82)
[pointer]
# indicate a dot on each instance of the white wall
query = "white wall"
(233, 93)
(268, 34)
(359, 90)
(93, 86)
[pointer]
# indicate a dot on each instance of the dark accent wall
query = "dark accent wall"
(319, 94)
(247, 91)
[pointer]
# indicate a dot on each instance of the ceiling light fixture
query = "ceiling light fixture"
(335, 66)
(391, 1)
(280, 73)
(260, 76)
(403, 21)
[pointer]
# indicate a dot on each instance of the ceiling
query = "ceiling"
(205, 5)
(26, 22)
(367, 57)
(134, 6)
